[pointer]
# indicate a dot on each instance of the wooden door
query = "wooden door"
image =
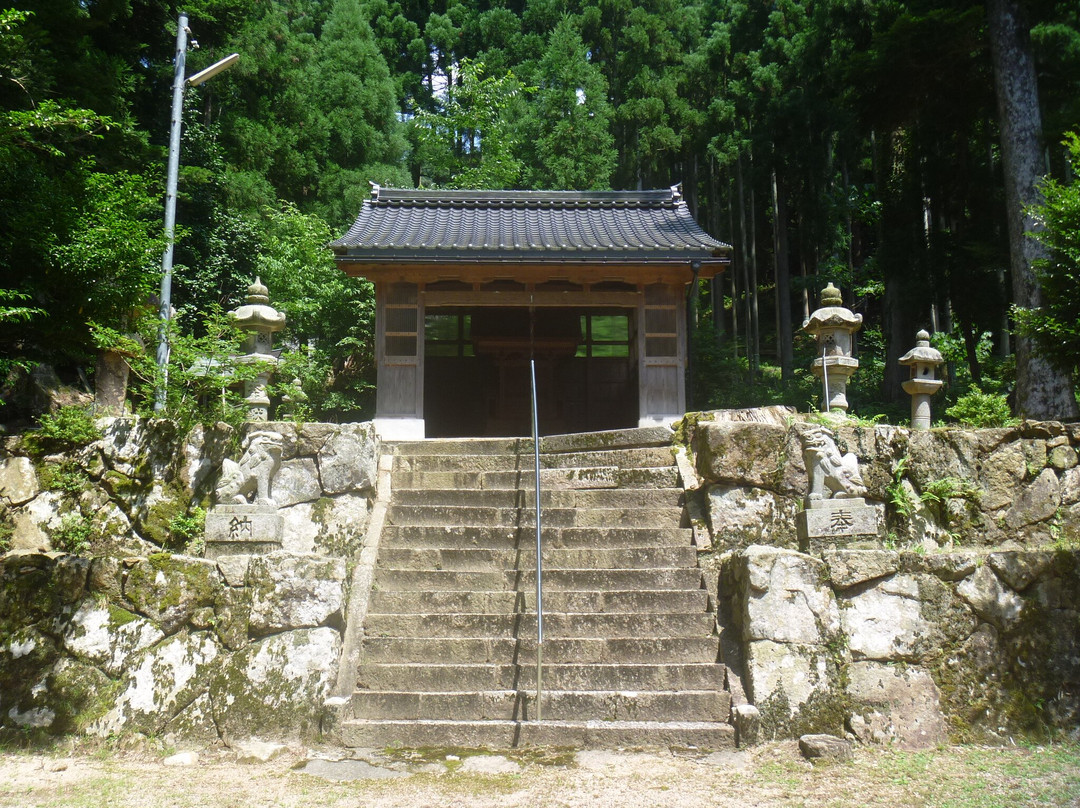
(400, 352)
(662, 353)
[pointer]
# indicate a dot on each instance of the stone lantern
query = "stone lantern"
(260, 320)
(832, 326)
(923, 361)
(292, 400)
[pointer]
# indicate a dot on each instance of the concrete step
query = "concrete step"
(562, 705)
(581, 650)
(608, 439)
(593, 477)
(495, 498)
(557, 625)
(450, 516)
(378, 733)
(635, 437)
(487, 559)
(663, 601)
(480, 536)
(657, 457)
(425, 676)
(656, 601)
(554, 580)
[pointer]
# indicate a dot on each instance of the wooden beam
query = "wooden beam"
(437, 299)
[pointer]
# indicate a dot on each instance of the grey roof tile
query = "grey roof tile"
(407, 225)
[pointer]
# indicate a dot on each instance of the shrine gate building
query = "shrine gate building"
(471, 285)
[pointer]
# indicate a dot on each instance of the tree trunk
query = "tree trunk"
(715, 285)
(744, 277)
(784, 335)
(1042, 391)
(734, 284)
(754, 351)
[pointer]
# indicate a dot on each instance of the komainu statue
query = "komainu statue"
(253, 475)
(832, 475)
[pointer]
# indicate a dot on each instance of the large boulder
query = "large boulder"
(787, 597)
(163, 681)
(18, 481)
(884, 621)
(107, 636)
(290, 591)
(740, 517)
(895, 705)
(170, 589)
(276, 686)
(347, 461)
(759, 455)
(992, 601)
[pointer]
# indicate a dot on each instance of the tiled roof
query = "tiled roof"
(397, 225)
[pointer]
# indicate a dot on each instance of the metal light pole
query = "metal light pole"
(165, 311)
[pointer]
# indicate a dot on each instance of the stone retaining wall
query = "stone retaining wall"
(1016, 487)
(906, 647)
(131, 637)
(963, 623)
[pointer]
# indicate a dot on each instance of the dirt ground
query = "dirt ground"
(138, 776)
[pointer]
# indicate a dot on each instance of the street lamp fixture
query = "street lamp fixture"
(179, 83)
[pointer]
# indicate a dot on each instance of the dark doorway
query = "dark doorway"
(476, 370)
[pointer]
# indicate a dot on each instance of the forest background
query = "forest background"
(852, 141)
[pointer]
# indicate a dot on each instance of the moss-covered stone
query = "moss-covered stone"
(26, 655)
(79, 694)
(164, 680)
(37, 586)
(278, 685)
(168, 503)
(169, 589)
(231, 617)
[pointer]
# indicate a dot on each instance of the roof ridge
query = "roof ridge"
(418, 197)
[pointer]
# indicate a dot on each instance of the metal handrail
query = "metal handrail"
(539, 566)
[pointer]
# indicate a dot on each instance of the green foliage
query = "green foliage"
(330, 317)
(113, 256)
(941, 491)
(204, 380)
(472, 141)
(67, 477)
(720, 381)
(1056, 323)
(858, 137)
(568, 142)
(979, 409)
(899, 495)
(188, 529)
(73, 534)
(16, 312)
(64, 429)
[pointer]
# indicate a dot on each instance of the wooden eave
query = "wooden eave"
(645, 272)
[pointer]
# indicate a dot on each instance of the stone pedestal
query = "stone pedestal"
(243, 530)
(839, 523)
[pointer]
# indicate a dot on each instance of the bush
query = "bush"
(188, 529)
(979, 409)
(67, 477)
(65, 429)
(73, 534)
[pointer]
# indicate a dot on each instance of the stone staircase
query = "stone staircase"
(448, 656)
